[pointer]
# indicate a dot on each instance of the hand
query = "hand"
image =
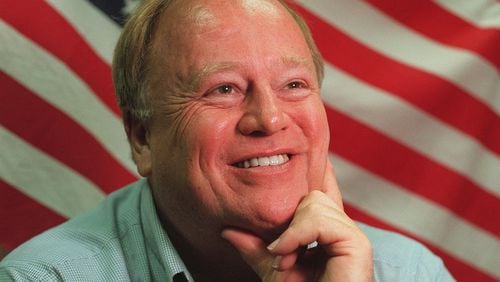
(343, 253)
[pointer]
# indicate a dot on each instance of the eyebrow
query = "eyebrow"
(194, 79)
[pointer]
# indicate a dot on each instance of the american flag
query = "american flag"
(412, 92)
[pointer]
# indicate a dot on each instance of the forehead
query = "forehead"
(207, 13)
(208, 9)
(192, 17)
(194, 33)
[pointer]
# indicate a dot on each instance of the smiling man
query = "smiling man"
(221, 105)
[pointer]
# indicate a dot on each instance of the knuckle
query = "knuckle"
(316, 194)
(311, 209)
(308, 210)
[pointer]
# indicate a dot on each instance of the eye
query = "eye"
(225, 89)
(295, 85)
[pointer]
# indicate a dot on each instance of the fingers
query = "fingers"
(343, 249)
(319, 218)
(254, 252)
(284, 262)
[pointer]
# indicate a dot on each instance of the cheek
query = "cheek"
(312, 119)
(322, 129)
(173, 131)
(314, 124)
(320, 133)
(206, 142)
(195, 157)
(208, 133)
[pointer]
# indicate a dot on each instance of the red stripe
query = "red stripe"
(432, 94)
(459, 269)
(51, 31)
(52, 131)
(3, 251)
(21, 217)
(437, 23)
(412, 171)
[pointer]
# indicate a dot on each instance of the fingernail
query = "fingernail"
(276, 262)
(273, 244)
(223, 235)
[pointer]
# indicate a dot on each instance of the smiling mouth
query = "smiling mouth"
(263, 161)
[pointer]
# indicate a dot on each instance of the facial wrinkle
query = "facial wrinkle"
(197, 77)
(177, 111)
(294, 61)
(181, 102)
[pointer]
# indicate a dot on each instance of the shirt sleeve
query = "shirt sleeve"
(27, 272)
(399, 258)
(431, 268)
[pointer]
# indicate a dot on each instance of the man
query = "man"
(221, 104)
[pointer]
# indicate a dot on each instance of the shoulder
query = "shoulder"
(399, 258)
(85, 244)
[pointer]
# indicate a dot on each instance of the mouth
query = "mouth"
(273, 160)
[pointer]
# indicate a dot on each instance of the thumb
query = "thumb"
(251, 248)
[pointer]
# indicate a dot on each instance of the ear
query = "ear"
(138, 137)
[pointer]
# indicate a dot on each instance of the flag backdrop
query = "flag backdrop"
(412, 92)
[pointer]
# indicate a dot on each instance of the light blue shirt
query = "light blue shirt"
(123, 240)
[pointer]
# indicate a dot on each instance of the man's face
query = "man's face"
(239, 134)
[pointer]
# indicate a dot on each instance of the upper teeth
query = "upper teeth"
(264, 161)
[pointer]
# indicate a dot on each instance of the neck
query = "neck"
(208, 257)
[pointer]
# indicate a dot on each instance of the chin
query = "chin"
(272, 219)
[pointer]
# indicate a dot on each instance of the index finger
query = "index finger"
(330, 185)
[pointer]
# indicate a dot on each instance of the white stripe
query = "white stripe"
(470, 72)
(44, 178)
(93, 25)
(416, 215)
(412, 127)
(53, 81)
(482, 13)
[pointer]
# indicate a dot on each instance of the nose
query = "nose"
(263, 114)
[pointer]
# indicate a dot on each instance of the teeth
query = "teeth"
(264, 161)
